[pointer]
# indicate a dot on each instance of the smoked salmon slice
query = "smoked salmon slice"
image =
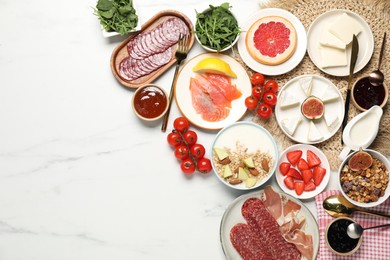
(224, 85)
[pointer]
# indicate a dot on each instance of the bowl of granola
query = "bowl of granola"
(364, 178)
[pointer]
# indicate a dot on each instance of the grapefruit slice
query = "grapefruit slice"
(271, 40)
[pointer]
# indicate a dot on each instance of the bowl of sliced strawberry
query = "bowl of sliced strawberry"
(303, 171)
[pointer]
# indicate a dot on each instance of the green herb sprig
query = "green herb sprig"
(117, 15)
(216, 28)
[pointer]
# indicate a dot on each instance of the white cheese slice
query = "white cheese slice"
(288, 100)
(306, 85)
(291, 124)
(344, 27)
(314, 134)
(329, 95)
(331, 57)
(331, 120)
(329, 40)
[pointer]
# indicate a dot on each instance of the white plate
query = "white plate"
(365, 39)
(289, 64)
(183, 93)
(233, 215)
(324, 164)
(319, 85)
(252, 136)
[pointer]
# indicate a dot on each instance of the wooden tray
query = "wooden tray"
(120, 52)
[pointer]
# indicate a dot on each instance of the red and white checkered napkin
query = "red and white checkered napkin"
(376, 242)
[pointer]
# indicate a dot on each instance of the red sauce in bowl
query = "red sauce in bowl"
(150, 101)
(367, 95)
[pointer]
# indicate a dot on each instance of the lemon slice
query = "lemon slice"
(214, 65)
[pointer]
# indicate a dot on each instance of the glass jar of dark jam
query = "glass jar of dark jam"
(367, 95)
(338, 238)
(150, 101)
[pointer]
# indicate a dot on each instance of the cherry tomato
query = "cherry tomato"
(257, 79)
(187, 166)
(271, 85)
(251, 103)
(264, 111)
(270, 98)
(174, 139)
(197, 151)
(190, 137)
(181, 124)
(257, 92)
(204, 165)
(181, 152)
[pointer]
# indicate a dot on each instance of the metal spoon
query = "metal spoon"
(376, 77)
(355, 230)
(338, 206)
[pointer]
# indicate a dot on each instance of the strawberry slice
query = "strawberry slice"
(302, 165)
(318, 175)
(289, 181)
(312, 159)
(310, 186)
(294, 156)
(294, 173)
(284, 167)
(307, 175)
(299, 187)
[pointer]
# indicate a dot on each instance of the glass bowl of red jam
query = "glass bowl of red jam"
(364, 95)
(150, 102)
(337, 238)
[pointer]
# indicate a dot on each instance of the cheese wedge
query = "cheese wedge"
(306, 85)
(329, 95)
(332, 57)
(344, 27)
(291, 124)
(288, 100)
(328, 39)
(314, 134)
(331, 120)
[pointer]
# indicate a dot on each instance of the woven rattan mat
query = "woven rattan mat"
(376, 13)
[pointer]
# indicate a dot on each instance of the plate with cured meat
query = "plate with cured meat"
(268, 224)
(210, 90)
(146, 54)
(273, 41)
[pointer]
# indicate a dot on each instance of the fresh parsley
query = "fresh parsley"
(216, 27)
(117, 15)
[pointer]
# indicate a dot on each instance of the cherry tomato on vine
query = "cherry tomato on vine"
(190, 137)
(181, 152)
(204, 165)
(251, 103)
(271, 85)
(187, 166)
(270, 98)
(174, 139)
(257, 79)
(264, 111)
(257, 92)
(181, 124)
(197, 151)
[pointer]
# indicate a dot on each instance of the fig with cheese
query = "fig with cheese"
(312, 108)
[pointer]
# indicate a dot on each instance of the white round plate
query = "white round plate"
(324, 164)
(252, 136)
(289, 64)
(301, 133)
(184, 99)
(233, 215)
(365, 39)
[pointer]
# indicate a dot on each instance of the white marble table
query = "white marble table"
(80, 176)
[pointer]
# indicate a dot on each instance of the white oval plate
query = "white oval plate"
(365, 39)
(252, 136)
(324, 164)
(233, 216)
(183, 93)
(289, 64)
(301, 133)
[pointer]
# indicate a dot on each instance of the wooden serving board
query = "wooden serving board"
(120, 52)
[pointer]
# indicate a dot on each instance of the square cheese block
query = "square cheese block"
(291, 124)
(344, 27)
(329, 95)
(314, 134)
(331, 120)
(328, 39)
(287, 100)
(306, 85)
(332, 57)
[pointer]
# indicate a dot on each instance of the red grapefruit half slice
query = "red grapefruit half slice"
(271, 40)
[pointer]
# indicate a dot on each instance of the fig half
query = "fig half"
(312, 108)
(360, 161)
